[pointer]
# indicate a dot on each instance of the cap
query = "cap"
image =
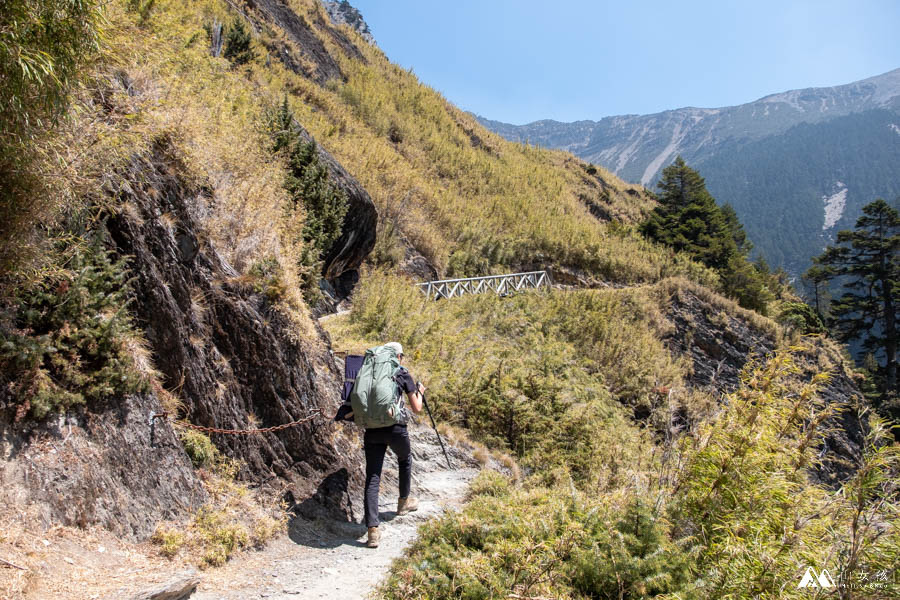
(398, 349)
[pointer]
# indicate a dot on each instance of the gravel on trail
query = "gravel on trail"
(328, 558)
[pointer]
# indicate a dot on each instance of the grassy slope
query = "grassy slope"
(612, 506)
(567, 366)
(468, 207)
(466, 199)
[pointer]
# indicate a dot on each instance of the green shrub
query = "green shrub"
(489, 483)
(799, 316)
(268, 279)
(221, 536)
(324, 203)
(237, 46)
(634, 559)
(199, 448)
(541, 543)
(728, 511)
(69, 339)
(744, 495)
(169, 540)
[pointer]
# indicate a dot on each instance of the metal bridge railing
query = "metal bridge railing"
(499, 284)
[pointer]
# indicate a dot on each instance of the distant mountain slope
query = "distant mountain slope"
(797, 189)
(775, 159)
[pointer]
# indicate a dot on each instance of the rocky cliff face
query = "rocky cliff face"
(301, 41)
(235, 361)
(342, 13)
(106, 466)
(231, 357)
(720, 345)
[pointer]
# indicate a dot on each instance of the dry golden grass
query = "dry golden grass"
(460, 437)
(471, 201)
(234, 519)
(675, 285)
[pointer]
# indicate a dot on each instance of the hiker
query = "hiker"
(378, 437)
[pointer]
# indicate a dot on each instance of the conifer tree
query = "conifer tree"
(324, 203)
(237, 44)
(688, 219)
(310, 189)
(867, 261)
(743, 243)
(282, 125)
(816, 280)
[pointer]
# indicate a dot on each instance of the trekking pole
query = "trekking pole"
(428, 410)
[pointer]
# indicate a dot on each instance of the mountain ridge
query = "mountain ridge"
(716, 141)
(879, 91)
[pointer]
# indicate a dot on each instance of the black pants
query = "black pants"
(375, 443)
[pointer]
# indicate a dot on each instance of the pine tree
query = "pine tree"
(816, 280)
(688, 219)
(743, 243)
(324, 203)
(282, 126)
(867, 261)
(237, 44)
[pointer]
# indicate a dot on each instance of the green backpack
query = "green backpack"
(375, 396)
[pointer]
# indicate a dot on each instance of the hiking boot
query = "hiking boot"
(408, 504)
(374, 537)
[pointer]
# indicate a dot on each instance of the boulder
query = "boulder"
(181, 587)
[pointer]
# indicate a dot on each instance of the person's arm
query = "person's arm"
(415, 398)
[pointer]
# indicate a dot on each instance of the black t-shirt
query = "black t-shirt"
(407, 385)
(405, 381)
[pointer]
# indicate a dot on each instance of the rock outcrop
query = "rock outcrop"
(106, 466)
(720, 345)
(234, 361)
(303, 40)
(358, 232)
(181, 587)
(342, 13)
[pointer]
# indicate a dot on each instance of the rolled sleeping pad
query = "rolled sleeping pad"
(352, 365)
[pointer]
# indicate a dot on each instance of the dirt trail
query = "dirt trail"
(321, 558)
(329, 559)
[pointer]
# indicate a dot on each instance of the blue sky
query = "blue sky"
(525, 60)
